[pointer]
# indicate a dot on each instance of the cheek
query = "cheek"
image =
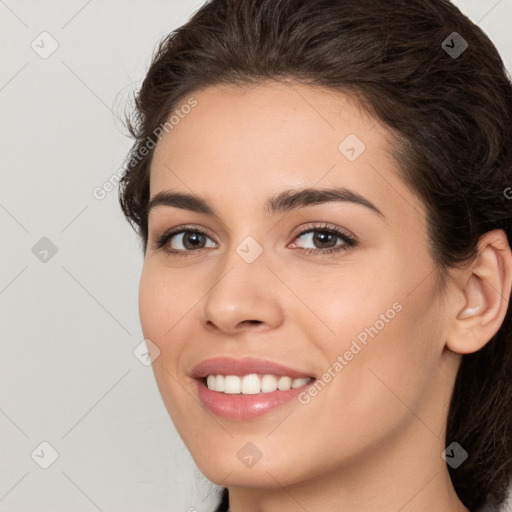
(386, 321)
(163, 301)
(152, 302)
(380, 379)
(163, 304)
(356, 301)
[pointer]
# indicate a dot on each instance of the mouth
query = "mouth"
(248, 388)
(248, 406)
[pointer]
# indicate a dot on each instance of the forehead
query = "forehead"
(253, 140)
(232, 122)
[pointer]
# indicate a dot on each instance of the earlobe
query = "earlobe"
(486, 287)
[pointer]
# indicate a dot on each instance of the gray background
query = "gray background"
(68, 375)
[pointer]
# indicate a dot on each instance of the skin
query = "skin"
(372, 438)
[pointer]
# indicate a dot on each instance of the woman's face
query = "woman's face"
(359, 312)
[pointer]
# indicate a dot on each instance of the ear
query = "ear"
(484, 290)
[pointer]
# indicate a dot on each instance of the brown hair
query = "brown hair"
(451, 121)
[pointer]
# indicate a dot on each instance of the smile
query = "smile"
(234, 403)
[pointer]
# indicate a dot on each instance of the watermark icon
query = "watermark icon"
(343, 360)
(44, 455)
(249, 249)
(454, 45)
(146, 352)
(508, 193)
(351, 147)
(100, 192)
(454, 455)
(249, 455)
(45, 45)
(44, 250)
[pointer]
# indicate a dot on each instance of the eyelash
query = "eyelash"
(349, 242)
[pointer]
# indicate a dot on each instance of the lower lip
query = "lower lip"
(245, 407)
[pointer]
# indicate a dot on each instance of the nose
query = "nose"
(245, 296)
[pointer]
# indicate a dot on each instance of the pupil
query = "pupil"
(194, 237)
(321, 237)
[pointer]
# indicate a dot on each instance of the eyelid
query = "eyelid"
(319, 226)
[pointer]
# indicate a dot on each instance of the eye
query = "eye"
(182, 242)
(325, 238)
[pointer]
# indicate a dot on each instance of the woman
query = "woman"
(322, 192)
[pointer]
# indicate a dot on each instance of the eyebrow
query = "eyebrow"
(283, 202)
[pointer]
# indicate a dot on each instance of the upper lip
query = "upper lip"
(248, 365)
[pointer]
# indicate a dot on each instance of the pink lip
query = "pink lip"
(244, 407)
(239, 406)
(230, 366)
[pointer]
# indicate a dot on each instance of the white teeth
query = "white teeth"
(232, 384)
(219, 382)
(252, 384)
(268, 384)
(297, 383)
(284, 383)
